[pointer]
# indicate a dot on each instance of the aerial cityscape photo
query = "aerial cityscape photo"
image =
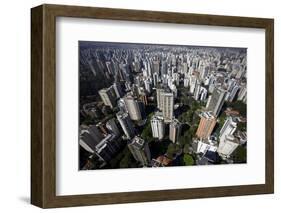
(158, 105)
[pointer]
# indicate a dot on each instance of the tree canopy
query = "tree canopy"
(188, 160)
(240, 155)
(147, 133)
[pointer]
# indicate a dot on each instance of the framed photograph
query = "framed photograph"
(136, 106)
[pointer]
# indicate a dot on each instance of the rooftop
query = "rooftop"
(207, 115)
(137, 142)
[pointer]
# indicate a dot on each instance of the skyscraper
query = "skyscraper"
(242, 95)
(155, 79)
(107, 148)
(193, 81)
(231, 94)
(112, 126)
(143, 98)
(185, 82)
(126, 124)
(228, 128)
(90, 137)
(204, 94)
(176, 78)
(108, 96)
(203, 71)
(164, 68)
(147, 66)
(159, 94)
(135, 108)
(109, 67)
(197, 92)
(212, 81)
(155, 66)
(95, 133)
(138, 80)
(174, 89)
(206, 125)
(175, 130)
(118, 90)
(121, 105)
(216, 101)
(202, 146)
(227, 146)
(148, 85)
(158, 126)
(140, 150)
(168, 106)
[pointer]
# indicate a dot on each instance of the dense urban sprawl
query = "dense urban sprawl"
(161, 105)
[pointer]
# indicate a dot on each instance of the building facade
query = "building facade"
(118, 90)
(228, 146)
(108, 96)
(168, 107)
(216, 101)
(228, 128)
(206, 125)
(140, 151)
(126, 124)
(135, 108)
(206, 145)
(175, 130)
(113, 127)
(158, 126)
(159, 96)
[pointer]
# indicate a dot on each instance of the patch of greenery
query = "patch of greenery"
(88, 120)
(185, 139)
(240, 155)
(188, 160)
(147, 133)
(124, 159)
(188, 117)
(186, 148)
(195, 105)
(172, 150)
(128, 161)
(220, 123)
(193, 129)
(242, 126)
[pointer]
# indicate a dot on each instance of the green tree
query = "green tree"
(220, 123)
(147, 133)
(182, 140)
(196, 119)
(128, 161)
(240, 155)
(173, 149)
(188, 160)
(195, 105)
(192, 130)
(189, 116)
(88, 120)
(186, 149)
(186, 139)
(242, 126)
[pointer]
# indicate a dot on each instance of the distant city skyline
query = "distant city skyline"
(91, 44)
(159, 105)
